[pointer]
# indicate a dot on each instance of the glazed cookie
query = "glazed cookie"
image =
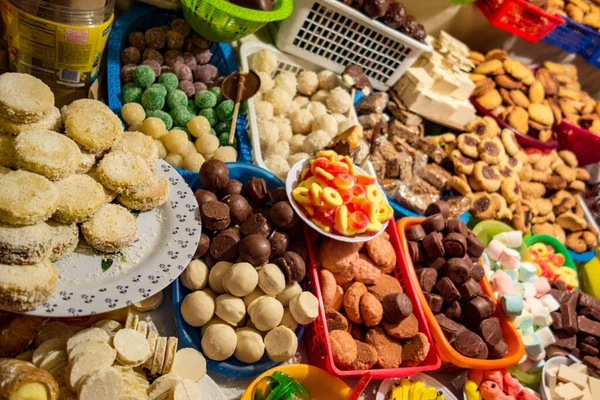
(533, 189)
(519, 99)
(47, 153)
(26, 198)
(387, 284)
(404, 329)
(371, 310)
(92, 125)
(459, 185)
(482, 205)
(140, 144)
(462, 164)
(152, 194)
(488, 67)
(80, 197)
(24, 287)
(506, 82)
(50, 120)
(541, 113)
(366, 356)
(343, 347)
(519, 119)
(486, 177)
(511, 190)
(24, 98)
(123, 172)
(64, 239)
(490, 100)
(517, 70)
(352, 301)
(491, 151)
(389, 349)
(22, 245)
(468, 144)
(337, 256)
(510, 142)
(382, 253)
(110, 229)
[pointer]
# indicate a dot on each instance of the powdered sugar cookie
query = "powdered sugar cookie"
(47, 153)
(105, 383)
(50, 120)
(63, 239)
(140, 144)
(123, 172)
(87, 335)
(151, 195)
(80, 197)
(7, 151)
(132, 347)
(92, 125)
(26, 198)
(24, 98)
(109, 195)
(22, 245)
(24, 287)
(84, 364)
(110, 229)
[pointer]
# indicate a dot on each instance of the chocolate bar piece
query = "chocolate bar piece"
(436, 175)
(558, 284)
(585, 300)
(458, 270)
(447, 289)
(565, 340)
(415, 232)
(490, 331)
(469, 289)
(568, 312)
(427, 278)
(420, 186)
(560, 295)
(477, 309)
(390, 155)
(435, 301)
(588, 326)
(402, 145)
(591, 312)
(587, 349)
(556, 321)
(470, 344)
(453, 311)
(432, 243)
(592, 341)
(499, 350)
(435, 263)
(450, 328)
(592, 361)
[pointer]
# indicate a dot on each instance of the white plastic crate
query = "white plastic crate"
(332, 35)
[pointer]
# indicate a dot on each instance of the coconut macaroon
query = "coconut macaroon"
(123, 172)
(63, 239)
(80, 197)
(22, 245)
(24, 287)
(110, 229)
(140, 144)
(92, 125)
(50, 121)
(24, 98)
(47, 153)
(153, 194)
(26, 198)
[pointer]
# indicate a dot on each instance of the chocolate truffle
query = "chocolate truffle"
(396, 307)
(292, 266)
(282, 215)
(395, 15)
(255, 223)
(257, 192)
(376, 8)
(255, 249)
(203, 246)
(278, 194)
(214, 174)
(202, 196)
(239, 208)
(215, 215)
(233, 186)
(279, 244)
(224, 246)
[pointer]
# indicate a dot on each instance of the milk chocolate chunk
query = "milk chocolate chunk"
(239, 208)
(592, 361)
(490, 331)
(435, 263)
(457, 226)
(224, 246)
(435, 302)
(469, 344)
(446, 288)
(416, 252)
(279, 243)
(454, 311)
(257, 192)
(592, 341)
(483, 353)
(214, 215)
(255, 249)
(233, 186)
(585, 300)
(450, 328)
(202, 196)
(214, 174)
(558, 284)
(458, 270)
(477, 309)
(203, 246)
(591, 312)
(586, 325)
(556, 320)
(498, 351)
(415, 233)
(396, 307)
(455, 245)
(560, 295)
(427, 278)
(477, 272)
(439, 207)
(255, 223)
(568, 310)
(278, 194)
(587, 349)
(432, 243)
(565, 340)
(434, 223)
(292, 266)
(469, 289)
(474, 246)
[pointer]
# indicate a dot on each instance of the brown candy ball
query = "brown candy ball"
(214, 174)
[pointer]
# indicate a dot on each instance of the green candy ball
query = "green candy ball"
(205, 99)
(164, 116)
(210, 115)
(243, 108)
(223, 127)
(216, 90)
(143, 76)
(225, 110)
(192, 107)
(181, 115)
(169, 80)
(160, 88)
(212, 132)
(177, 98)
(153, 99)
(224, 140)
(131, 93)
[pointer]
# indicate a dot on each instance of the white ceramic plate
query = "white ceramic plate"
(291, 183)
(91, 282)
(386, 384)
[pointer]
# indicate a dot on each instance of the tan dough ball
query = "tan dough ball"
(304, 307)
(198, 126)
(280, 148)
(162, 150)
(133, 113)
(301, 121)
(280, 99)
(255, 294)
(176, 141)
(154, 127)
(250, 346)
(193, 162)
(266, 82)
(345, 125)
(284, 127)
(197, 308)
(241, 279)
(296, 143)
(291, 290)
(271, 280)
(316, 109)
(174, 159)
(301, 101)
(288, 320)
(308, 83)
(316, 141)
(294, 158)
(263, 109)
(214, 321)
(339, 117)
(207, 144)
(328, 80)
(339, 101)
(210, 292)
(195, 276)
(266, 313)
(225, 154)
(268, 134)
(287, 81)
(230, 308)
(219, 342)
(281, 344)
(215, 278)
(278, 165)
(327, 123)
(264, 61)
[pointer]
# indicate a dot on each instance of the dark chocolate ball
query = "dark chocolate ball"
(257, 192)
(255, 249)
(203, 246)
(292, 266)
(376, 8)
(279, 244)
(395, 16)
(214, 174)
(224, 246)
(255, 223)
(202, 196)
(239, 208)
(283, 216)
(233, 186)
(278, 194)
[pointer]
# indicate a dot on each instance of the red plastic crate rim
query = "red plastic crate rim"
(583, 143)
(317, 335)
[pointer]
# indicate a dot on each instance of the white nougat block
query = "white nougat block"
(569, 391)
(566, 374)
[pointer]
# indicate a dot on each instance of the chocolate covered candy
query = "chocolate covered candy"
(202, 196)
(455, 245)
(282, 216)
(214, 215)
(439, 207)
(224, 246)
(279, 243)
(469, 289)
(255, 249)
(450, 328)
(415, 233)
(203, 246)
(427, 278)
(434, 223)
(432, 243)
(478, 308)
(453, 311)
(446, 288)
(475, 247)
(458, 270)
(416, 252)
(434, 301)
(257, 192)
(457, 226)
(292, 266)
(255, 224)
(396, 307)
(214, 174)
(239, 208)
(469, 344)
(233, 186)
(490, 331)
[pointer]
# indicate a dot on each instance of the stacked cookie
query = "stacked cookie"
(369, 318)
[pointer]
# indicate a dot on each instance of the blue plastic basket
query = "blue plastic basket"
(190, 336)
(591, 53)
(142, 17)
(571, 37)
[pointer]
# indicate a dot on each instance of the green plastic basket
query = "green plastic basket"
(558, 248)
(222, 21)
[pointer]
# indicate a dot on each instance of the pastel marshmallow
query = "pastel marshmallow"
(511, 239)
(538, 365)
(519, 289)
(525, 365)
(485, 260)
(523, 321)
(546, 336)
(514, 275)
(550, 302)
(532, 302)
(527, 272)
(539, 357)
(512, 305)
(528, 290)
(510, 259)
(501, 282)
(494, 249)
(542, 286)
(541, 316)
(533, 345)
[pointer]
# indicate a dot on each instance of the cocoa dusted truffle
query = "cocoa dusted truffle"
(256, 224)
(256, 191)
(239, 208)
(282, 215)
(279, 244)
(255, 249)
(233, 186)
(214, 174)
(214, 215)
(202, 196)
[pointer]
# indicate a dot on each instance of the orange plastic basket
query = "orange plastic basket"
(447, 352)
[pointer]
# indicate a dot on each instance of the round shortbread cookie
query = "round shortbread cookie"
(26, 198)
(140, 144)
(106, 383)
(82, 104)
(50, 121)
(63, 239)
(132, 347)
(80, 197)
(24, 287)
(109, 195)
(84, 364)
(110, 229)
(7, 150)
(123, 172)
(152, 194)
(47, 153)
(92, 334)
(22, 245)
(93, 126)
(87, 162)
(24, 98)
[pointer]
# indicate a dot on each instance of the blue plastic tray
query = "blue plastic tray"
(141, 17)
(190, 336)
(572, 36)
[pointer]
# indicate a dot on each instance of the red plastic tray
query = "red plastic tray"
(317, 335)
(583, 143)
(519, 18)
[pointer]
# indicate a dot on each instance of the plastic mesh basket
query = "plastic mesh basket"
(332, 35)
(583, 143)
(571, 37)
(519, 18)
(222, 21)
(591, 52)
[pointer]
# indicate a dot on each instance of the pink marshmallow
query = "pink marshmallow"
(539, 357)
(532, 302)
(509, 258)
(528, 290)
(502, 283)
(525, 365)
(494, 249)
(541, 286)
